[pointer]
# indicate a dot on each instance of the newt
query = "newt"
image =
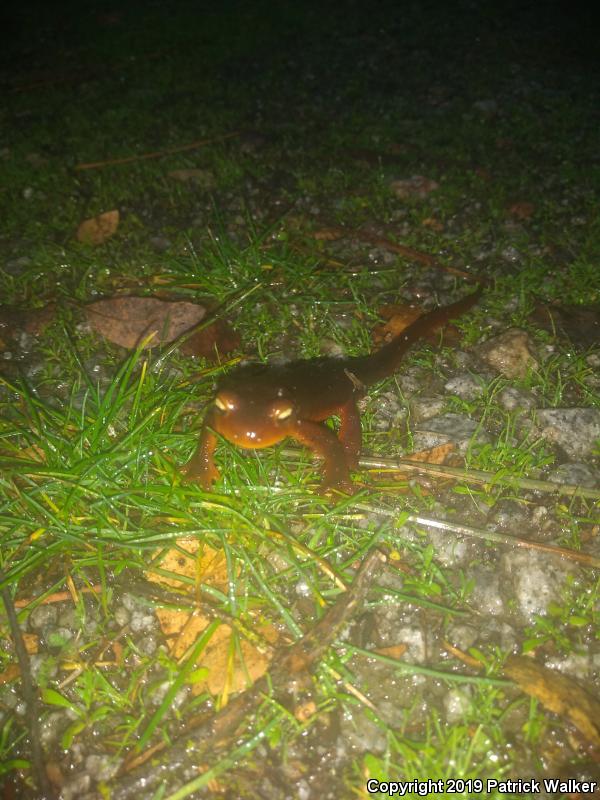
(259, 405)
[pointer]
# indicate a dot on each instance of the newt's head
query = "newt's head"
(253, 419)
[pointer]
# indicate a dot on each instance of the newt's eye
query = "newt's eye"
(281, 411)
(225, 402)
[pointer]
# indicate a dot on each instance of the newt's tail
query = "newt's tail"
(377, 366)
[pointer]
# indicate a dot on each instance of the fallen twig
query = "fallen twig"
(409, 253)
(468, 475)
(157, 153)
(30, 696)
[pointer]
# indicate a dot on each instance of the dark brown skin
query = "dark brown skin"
(259, 405)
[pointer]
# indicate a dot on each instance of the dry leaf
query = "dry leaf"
(226, 672)
(181, 629)
(219, 338)
(398, 318)
(305, 711)
(202, 177)
(522, 210)
(33, 453)
(32, 642)
(10, 674)
(328, 234)
(434, 455)
(127, 320)
(190, 560)
(559, 694)
(483, 174)
(416, 187)
(34, 321)
(466, 658)
(581, 324)
(433, 223)
(395, 651)
(98, 229)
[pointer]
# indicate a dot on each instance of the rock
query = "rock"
(465, 386)
(575, 474)
(457, 428)
(510, 353)
(511, 398)
(575, 430)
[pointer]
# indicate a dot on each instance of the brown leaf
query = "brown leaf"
(558, 693)
(466, 658)
(202, 177)
(581, 324)
(98, 229)
(416, 187)
(127, 320)
(522, 210)
(10, 674)
(329, 234)
(34, 321)
(398, 318)
(433, 224)
(218, 338)
(32, 453)
(433, 455)
(305, 711)
(395, 651)
(483, 174)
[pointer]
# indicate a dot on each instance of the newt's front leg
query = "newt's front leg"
(323, 441)
(201, 467)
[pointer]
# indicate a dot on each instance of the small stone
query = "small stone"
(101, 767)
(532, 581)
(457, 428)
(457, 703)
(510, 353)
(42, 617)
(575, 474)
(486, 596)
(511, 399)
(75, 788)
(465, 386)
(575, 430)
(424, 408)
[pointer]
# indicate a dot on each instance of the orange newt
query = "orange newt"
(258, 405)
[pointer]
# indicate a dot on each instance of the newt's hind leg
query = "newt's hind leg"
(350, 432)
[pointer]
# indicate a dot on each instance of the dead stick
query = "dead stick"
(29, 695)
(157, 153)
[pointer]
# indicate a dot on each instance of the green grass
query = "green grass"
(93, 439)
